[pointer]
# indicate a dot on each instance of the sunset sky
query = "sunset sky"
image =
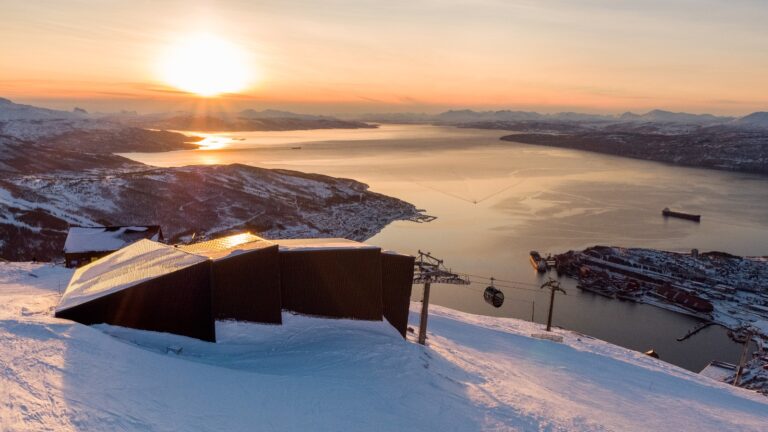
(417, 55)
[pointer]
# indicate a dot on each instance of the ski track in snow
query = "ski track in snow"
(477, 373)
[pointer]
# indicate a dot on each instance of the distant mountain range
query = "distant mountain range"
(757, 119)
(660, 116)
(128, 131)
(276, 114)
(270, 119)
(13, 111)
(240, 123)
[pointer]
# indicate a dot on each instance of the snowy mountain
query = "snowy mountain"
(246, 120)
(661, 116)
(477, 373)
(756, 119)
(580, 117)
(275, 114)
(470, 116)
(461, 116)
(395, 117)
(236, 123)
(716, 147)
(43, 191)
(33, 123)
(13, 111)
(58, 169)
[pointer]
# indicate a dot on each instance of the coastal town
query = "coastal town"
(716, 287)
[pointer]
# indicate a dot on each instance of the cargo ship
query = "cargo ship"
(538, 263)
(692, 217)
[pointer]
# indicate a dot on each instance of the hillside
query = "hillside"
(44, 190)
(757, 119)
(478, 373)
(58, 169)
(716, 147)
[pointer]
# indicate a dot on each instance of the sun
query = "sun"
(206, 65)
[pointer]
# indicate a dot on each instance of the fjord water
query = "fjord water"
(497, 200)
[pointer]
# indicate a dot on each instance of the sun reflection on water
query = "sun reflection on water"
(214, 142)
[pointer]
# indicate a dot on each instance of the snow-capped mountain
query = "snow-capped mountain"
(276, 114)
(756, 119)
(460, 116)
(470, 116)
(13, 111)
(28, 122)
(661, 116)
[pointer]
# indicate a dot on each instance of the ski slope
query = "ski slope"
(478, 373)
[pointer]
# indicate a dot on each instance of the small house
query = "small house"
(86, 244)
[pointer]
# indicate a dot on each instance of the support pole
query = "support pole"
(553, 286)
(533, 310)
(424, 314)
(428, 269)
(551, 307)
(742, 360)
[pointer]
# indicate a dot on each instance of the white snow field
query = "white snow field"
(478, 373)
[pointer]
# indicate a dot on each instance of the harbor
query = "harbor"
(715, 287)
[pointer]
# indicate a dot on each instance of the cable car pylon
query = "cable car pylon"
(428, 270)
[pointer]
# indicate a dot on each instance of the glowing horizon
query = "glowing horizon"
(363, 56)
(206, 65)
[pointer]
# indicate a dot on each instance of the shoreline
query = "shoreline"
(675, 150)
(714, 287)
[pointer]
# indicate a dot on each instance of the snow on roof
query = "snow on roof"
(718, 370)
(391, 252)
(295, 245)
(107, 239)
(226, 247)
(131, 265)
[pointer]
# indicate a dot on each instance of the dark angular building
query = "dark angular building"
(146, 285)
(245, 277)
(333, 277)
(184, 289)
(396, 284)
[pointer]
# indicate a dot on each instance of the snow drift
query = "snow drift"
(478, 373)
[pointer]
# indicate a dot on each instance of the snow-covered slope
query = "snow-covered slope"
(36, 209)
(478, 373)
(31, 122)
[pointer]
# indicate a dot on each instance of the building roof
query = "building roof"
(107, 238)
(226, 247)
(130, 266)
(308, 244)
(718, 370)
